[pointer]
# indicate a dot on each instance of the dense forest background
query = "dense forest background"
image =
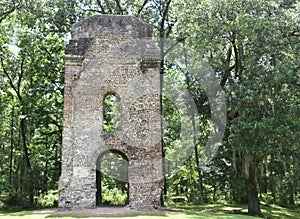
(253, 48)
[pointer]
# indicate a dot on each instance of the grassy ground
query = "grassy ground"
(188, 212)
(268, 211)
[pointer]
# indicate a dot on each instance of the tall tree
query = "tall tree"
(31, 68)
(249, 44)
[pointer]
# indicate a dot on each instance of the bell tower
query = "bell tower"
(111, 54)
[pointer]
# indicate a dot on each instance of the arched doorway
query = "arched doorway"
(112, 179)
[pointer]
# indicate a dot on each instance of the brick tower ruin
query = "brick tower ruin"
(111, 54)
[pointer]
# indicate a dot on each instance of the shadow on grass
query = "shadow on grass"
(274, 212)
(201, 215)
(213, 208)
(16, 212)
(239, 211)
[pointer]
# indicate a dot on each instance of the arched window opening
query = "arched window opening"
(112, 179)
(111, 113)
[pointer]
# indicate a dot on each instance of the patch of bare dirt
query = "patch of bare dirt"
(102, 211)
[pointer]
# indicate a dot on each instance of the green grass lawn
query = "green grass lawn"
(187, 215)
(189, 211)
(268, 211)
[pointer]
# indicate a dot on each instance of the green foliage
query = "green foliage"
(49, 200)
(253, 46)
(14, 199)
(111, 113)
(113, 170)
(113, 196)
(31, 70)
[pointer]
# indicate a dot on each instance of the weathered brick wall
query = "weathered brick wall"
(111, 54)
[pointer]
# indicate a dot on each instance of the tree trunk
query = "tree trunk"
(11, 147)
(163, 33)
(291, 192)
(292, 186)
(262, 180)
(253, 202)
(127, 198)
(214, 192)
(265, 184)
(165, 188)
(21, 178)
(200, 183)
(27, 160)
(98, 186)
(45, 181)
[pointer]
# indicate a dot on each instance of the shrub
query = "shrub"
(49, 200)
(15, 199)
(113, 196)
